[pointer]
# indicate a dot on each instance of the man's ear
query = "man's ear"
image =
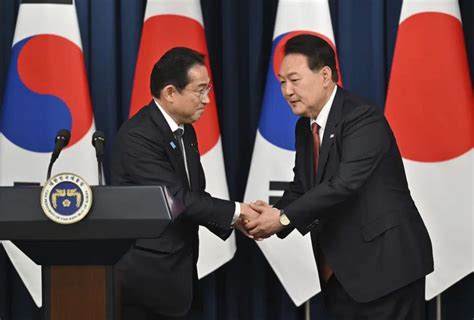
(168, 93)
(327, 75)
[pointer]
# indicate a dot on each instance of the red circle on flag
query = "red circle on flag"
(430, 99)
(161, 33)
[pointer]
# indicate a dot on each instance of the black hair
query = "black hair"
(172, 69)
(318, 52)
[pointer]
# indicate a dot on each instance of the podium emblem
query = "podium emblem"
(66, 198)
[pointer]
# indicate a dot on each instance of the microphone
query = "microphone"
(60, 141)
(98, 141)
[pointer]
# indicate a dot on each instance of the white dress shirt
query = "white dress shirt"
(323, 115)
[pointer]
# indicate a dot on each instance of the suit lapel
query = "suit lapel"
(170, 143)
(307, 153)
(192, 156)
(330, 133)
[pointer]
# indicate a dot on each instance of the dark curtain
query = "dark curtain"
(239, 35)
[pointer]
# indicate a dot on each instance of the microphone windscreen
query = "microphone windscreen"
(98, 135)
(65, 135)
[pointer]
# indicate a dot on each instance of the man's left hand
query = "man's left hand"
(267, 224)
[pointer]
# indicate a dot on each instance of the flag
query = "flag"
(273, 158)
(46, 91)
(430, 109)
(179, 23)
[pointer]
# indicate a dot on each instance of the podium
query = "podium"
(77, 259)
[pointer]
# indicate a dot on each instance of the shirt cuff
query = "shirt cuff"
(236, 213)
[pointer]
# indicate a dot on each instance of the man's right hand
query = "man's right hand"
(247, 214)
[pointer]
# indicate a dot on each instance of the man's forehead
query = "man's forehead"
(293, 63)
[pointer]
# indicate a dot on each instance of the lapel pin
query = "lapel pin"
(332, 136)
(172, 145)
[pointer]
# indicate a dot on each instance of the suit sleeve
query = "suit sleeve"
(365, 142)
(147, 162)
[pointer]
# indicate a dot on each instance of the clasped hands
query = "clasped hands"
(258, 220)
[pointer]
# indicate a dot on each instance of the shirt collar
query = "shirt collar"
(171, 123)
(323, 115)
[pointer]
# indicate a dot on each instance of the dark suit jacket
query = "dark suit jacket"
(358, 208)
(159, 273)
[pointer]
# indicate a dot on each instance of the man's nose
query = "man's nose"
(205, 99)
(288, 90)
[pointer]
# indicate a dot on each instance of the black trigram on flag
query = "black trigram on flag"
(277, 186)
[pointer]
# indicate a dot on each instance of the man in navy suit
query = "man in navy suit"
(158, 146)
(350, 192)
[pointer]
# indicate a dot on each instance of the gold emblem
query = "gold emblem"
(66, 198)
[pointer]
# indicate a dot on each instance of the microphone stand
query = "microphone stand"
(50, 167)
(98, 141)
(99, 167)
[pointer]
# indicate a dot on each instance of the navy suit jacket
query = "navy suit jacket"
(358, 206)
(160, 274)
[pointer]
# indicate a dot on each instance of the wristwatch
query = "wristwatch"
(284, 218)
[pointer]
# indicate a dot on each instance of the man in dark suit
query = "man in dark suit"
(158, 146)
(350, 191)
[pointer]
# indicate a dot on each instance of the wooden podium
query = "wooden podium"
(77, 259)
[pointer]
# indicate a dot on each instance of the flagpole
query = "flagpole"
(307, 310)
(438, 307)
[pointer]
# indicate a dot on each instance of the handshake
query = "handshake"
(258, 220)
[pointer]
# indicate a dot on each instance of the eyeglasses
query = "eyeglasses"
(202, 93)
